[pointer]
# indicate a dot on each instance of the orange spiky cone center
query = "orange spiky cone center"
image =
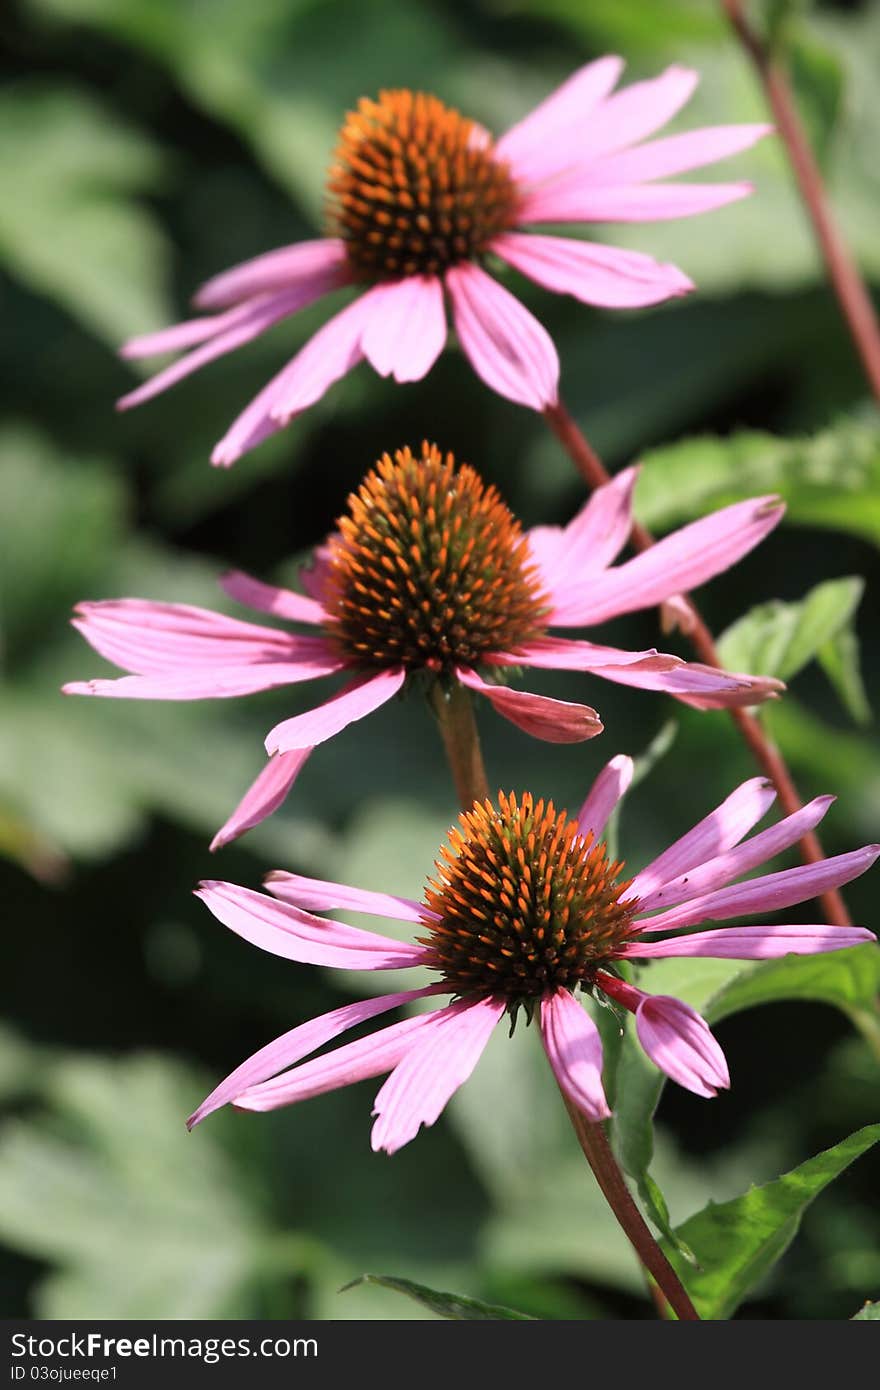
(415, 187)
(429, 569)
(525, 903)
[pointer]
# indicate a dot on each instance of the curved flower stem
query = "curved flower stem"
(767, 756)
(848, 285)
(597, 1152)
(458, 727)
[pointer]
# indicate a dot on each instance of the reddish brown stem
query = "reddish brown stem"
(848, 285)
(767, 756)
(597, 1152)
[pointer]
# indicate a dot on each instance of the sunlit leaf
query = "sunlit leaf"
(443, 1305)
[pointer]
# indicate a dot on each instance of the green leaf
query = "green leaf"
(738, 1242)
(831, 480)
(70, 225)
(135, 1216)
(840, 660)
(445, 1305)
(780, 639)
(869, 1313)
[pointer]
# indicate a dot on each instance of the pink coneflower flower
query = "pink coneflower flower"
(418, 199)
(524, 910)
(430, 575)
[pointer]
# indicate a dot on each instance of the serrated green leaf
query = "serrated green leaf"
(840, 659)
(70, 225)
(444, 1305)
(831, 480)
(779, 639)
(738, 1242)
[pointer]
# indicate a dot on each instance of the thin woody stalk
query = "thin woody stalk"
(454, 710)
(768, 757)
(848, 285)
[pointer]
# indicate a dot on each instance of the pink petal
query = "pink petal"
(314, 576)
(574, 1048)
(154, 639)
(266, 598)
(599, 275)
(356, 1061)
(286, 268)
(320, 896)
(431, 1072)
(747, 690)
(263, 797)
(676, 154)
(184, 335)
(648, 670)
(261, 315)
(636, 111)
(679, 562)
(563, 114)
(754, 943)
(287, 931)
(714, 873)
(715, 833)
(505, 344)
(355, 701)
(329, 355)
(298, 1043)
(407, 330)
(604, 794)
(555, 721)
(680, 1043)
(577, 199)
(588, 544)
(769, 893)
(326, 357)
(209, 683)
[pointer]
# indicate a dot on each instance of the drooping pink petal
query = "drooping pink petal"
(562, 115)
(598, 275)
(555, 721)
(681, 1044)
(715, 833)
(754, 943)
(588, 544)
(261, 315)
(285, 268)
(748, 690)
(406, 332)
(505, 344)
(648, 670)
(355, 1061)
(574, 1048)
(358, 699)
(320, 896)
(676, 154)
(578, 199)
(716, 872)
(149, 638)
(329, 355)
(603, 796)
(207, 682)
(326, 357)
(292, 1046)
(184, 335)
(266, 598)
(263, 797)
(769, 893)
(679, 562)
(431, 1072)
(284, 930)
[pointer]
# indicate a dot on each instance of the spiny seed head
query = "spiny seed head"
(429, 569)
(414, 187)
(525, 903)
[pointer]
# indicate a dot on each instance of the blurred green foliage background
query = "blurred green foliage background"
(144, 145)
